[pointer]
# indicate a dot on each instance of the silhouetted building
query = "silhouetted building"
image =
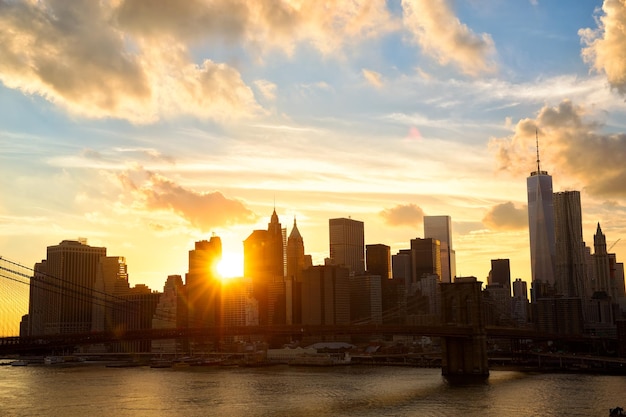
(296, 259)
(62, 288)
(425, 258)
(561, 315)
(378, 260)
(500, 273)
(203, 283)
(617, 277)
(602, 274)
(347, 244)
(497, 299)
(134, 311)
(570, 269)
(111, 283)
(264, 256)
(520, 308)
(440, 228)
(366, 299)
(599, 315)
(326, 295)
(428, 286)
(240, 307)
(170, 313)
(265, 262)
(541, 227)
(401, 268)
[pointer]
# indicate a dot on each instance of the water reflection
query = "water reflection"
(288, 391)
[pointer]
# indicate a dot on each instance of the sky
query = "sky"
(145, 126)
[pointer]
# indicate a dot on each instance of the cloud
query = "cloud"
(571, 145)
(131, 59)
(403, 215)
(506, 216)
(74, 55)
(259, 24)
(373, 77)
(267, 89)
(441, 35)
(606, 46)
(205, 211)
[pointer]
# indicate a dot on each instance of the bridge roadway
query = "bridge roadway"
(31, 344)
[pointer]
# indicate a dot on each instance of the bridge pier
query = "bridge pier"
(461, 305)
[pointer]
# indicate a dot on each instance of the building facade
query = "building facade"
(265, 263)
(203, 283)
(62, 289)
(541, 228)
(347, 244)
(570, 270)
(440, 228)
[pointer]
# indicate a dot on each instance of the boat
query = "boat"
(180, 364)
(52, 360)
(161, 364)
(19, 362)
(321, 360)
(207, 362)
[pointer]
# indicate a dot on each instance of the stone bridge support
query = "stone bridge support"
(461, 305)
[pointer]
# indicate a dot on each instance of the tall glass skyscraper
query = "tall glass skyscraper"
(440, 228)
(541, 226)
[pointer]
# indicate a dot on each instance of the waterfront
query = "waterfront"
(94, 390)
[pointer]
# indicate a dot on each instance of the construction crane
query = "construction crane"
(613, 244)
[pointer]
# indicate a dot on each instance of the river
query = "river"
(95, 390)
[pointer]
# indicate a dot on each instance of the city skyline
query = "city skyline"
(145, 135)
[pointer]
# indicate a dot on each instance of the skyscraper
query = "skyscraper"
(61, 298)
(347, 244)
(440, 228)
(326, 295)
(570, 276)
(111, 283)
(601, 261)
(500, 273)
(264, 253)
(265, 262)
(378, 259)
(203, 284)
(425, 258)
(541, 227)
(295, 254)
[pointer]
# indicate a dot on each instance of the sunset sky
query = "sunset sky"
(145, 126)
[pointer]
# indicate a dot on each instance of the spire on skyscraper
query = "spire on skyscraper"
(295, 233)
(537, 144)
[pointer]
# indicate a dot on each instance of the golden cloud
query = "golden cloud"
(403, 215)
(570, 144)
(606, 46)
(441, 35)
(205, 211)
(373, 77)
(261, 24)
(506, 216)
(130, 59)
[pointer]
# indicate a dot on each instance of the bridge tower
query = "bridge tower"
(461, 305)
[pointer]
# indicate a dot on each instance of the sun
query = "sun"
(231, 266)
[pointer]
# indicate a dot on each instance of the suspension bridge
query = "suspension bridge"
(464, 335)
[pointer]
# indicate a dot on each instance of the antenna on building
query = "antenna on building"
(537, 144)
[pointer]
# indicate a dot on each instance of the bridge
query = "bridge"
(463, 333)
